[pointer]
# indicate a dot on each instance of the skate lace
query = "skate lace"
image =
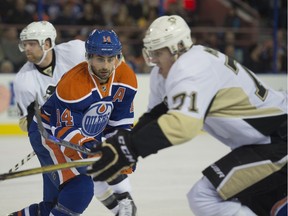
(125, 207)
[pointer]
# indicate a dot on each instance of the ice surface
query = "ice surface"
(159, 185)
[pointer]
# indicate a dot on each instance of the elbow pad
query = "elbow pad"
(23, 124)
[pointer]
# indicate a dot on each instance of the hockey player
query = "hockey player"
(46, 64)
(196, 88)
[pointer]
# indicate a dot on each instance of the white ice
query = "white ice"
(159, 185)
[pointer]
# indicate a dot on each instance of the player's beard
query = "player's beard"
(102, 74)
(32, 58)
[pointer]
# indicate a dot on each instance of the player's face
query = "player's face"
(163, 59)
(33, 50)
(102, 66)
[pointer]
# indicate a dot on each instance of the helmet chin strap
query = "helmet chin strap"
(176, 56)
(180, 52)
(45, 52)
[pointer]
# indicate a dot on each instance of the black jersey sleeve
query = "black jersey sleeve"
(149, 140)
(31, 112)
(148, 117)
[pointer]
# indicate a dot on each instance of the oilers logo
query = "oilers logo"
(96, 118)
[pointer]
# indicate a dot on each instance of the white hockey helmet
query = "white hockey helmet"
(167, 31)
(39, 31)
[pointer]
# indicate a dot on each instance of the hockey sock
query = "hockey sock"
(43, 209)
(110, 201)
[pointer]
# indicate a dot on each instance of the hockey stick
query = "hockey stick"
(22, 162)
(49, 168)
(54, 139)
(46, 136)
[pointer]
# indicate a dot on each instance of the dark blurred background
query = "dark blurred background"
(254, 32)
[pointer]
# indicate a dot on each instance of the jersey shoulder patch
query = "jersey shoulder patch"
(75, 84)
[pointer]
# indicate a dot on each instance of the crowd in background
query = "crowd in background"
(73, 19)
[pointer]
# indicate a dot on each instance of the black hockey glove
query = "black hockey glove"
(117, 156)
(155, 113)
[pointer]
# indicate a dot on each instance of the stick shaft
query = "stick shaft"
(49, 168)
(54, 139)
(22, 162)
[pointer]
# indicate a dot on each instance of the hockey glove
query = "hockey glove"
(117, 156)
(88, 143)
(148, 117)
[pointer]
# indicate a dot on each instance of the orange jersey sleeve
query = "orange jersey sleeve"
(124, 74)
(75, 84)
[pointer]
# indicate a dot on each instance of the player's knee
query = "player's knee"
(75, 195)
(194, 198)
(202, 197)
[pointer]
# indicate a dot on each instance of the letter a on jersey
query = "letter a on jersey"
(119, 95)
